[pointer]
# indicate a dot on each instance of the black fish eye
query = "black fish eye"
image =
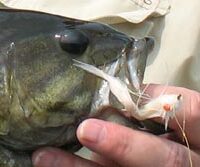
(73, 41)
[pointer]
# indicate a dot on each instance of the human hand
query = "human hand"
(116, 145)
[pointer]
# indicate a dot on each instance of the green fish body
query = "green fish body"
(43, 96)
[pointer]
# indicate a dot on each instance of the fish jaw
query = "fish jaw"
(136, 61)
(120, 77)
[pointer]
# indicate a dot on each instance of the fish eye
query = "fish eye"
(73, 41)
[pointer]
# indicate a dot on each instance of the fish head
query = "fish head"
(43, 64)
(45, 94)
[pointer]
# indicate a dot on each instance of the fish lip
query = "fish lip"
(132, 62)
(121, 69)
(136, 58)
(129, 64)
(132, 66)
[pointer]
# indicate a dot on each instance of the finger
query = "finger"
(129, 147)
(103, 160)
(53, 157)
(189, 110)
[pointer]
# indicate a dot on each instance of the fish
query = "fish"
(43, 95)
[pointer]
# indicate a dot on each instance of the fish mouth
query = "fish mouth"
(129, 68)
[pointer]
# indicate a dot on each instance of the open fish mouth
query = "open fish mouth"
(129, 68)
(124, 76)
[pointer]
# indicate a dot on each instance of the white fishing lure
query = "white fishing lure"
(164, 106)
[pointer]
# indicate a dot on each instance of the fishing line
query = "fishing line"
(186, 140)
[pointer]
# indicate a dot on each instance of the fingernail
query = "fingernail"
(43, 158)
(92, 130)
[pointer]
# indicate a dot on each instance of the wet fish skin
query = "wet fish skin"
(42, 95)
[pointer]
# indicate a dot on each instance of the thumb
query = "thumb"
(129, 147)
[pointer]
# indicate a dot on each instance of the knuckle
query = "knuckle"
(123, 147)
(177, 156)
